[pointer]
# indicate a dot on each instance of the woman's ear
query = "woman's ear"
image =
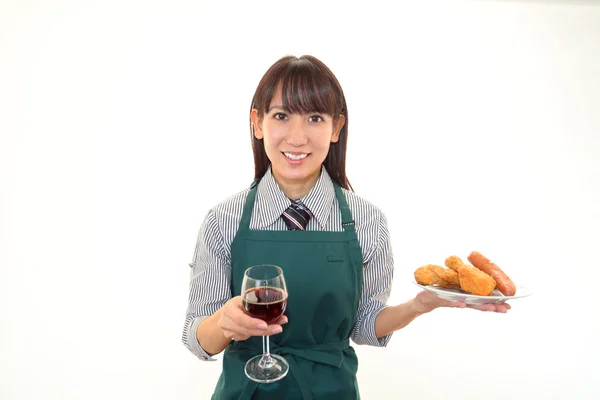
(256, 124)
(338, 124)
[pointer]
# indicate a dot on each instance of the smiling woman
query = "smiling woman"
(299, 120)
(331, 245)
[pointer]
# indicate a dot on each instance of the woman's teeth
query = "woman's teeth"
(295, 156)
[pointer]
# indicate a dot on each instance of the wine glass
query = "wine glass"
(264, 296)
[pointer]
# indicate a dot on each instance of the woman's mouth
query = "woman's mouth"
(295, 156)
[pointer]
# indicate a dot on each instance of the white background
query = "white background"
(474, 125)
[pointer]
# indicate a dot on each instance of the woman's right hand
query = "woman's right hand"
(238, 325)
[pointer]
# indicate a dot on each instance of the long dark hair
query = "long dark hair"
(307, 85)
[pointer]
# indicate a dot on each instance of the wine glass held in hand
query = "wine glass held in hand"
(264, 296)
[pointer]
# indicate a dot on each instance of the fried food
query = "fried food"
(504, 284)
(471, 279)
(454, 263)
(435, 275)
(450, 278)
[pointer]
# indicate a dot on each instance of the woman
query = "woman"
(338, 264)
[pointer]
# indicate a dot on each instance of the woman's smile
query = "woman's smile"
(295, 158)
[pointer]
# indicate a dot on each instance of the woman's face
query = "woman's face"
(296, 144)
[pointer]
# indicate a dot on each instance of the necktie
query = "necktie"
(296, 216)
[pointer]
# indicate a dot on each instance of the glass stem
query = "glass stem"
(266, 361)
(268, 352)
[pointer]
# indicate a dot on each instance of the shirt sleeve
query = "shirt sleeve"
(377, 282)
(210, 286)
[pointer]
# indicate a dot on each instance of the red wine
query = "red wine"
(266, 303)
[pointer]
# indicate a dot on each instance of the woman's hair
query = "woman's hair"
(307, 86)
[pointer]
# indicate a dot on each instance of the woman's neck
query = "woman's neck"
(296, 189)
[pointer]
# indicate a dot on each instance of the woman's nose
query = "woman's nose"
(297, 136)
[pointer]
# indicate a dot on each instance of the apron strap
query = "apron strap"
(354, 249)
(347, 221)
(248, 391)
(248, 205)
(300, 379)
(325, 353)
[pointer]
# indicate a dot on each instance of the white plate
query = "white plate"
(462, 296)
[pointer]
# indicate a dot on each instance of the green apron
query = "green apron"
(323, 272)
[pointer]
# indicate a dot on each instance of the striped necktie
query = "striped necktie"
(296, 216)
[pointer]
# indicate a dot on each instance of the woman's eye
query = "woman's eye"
(280, 116)
(316, 118)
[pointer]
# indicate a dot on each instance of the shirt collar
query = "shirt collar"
(320, 198)
(271, 202)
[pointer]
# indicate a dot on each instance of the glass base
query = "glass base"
(266, 370)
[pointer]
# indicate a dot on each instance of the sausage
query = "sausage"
(503, 283)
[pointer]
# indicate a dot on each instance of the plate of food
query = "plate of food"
(480, 282)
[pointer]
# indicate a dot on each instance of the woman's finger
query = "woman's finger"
(250, 326)
(238, 321)
(235, 319)
(500, 308)
(244, 325)
(455, 304)
(246, 332)
(482, 307)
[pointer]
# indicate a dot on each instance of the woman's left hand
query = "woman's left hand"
(426, 301)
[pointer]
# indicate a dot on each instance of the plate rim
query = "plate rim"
(440, 290)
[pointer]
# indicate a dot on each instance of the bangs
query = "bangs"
(306, 88)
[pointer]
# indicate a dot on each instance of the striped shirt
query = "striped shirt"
(211, 265)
